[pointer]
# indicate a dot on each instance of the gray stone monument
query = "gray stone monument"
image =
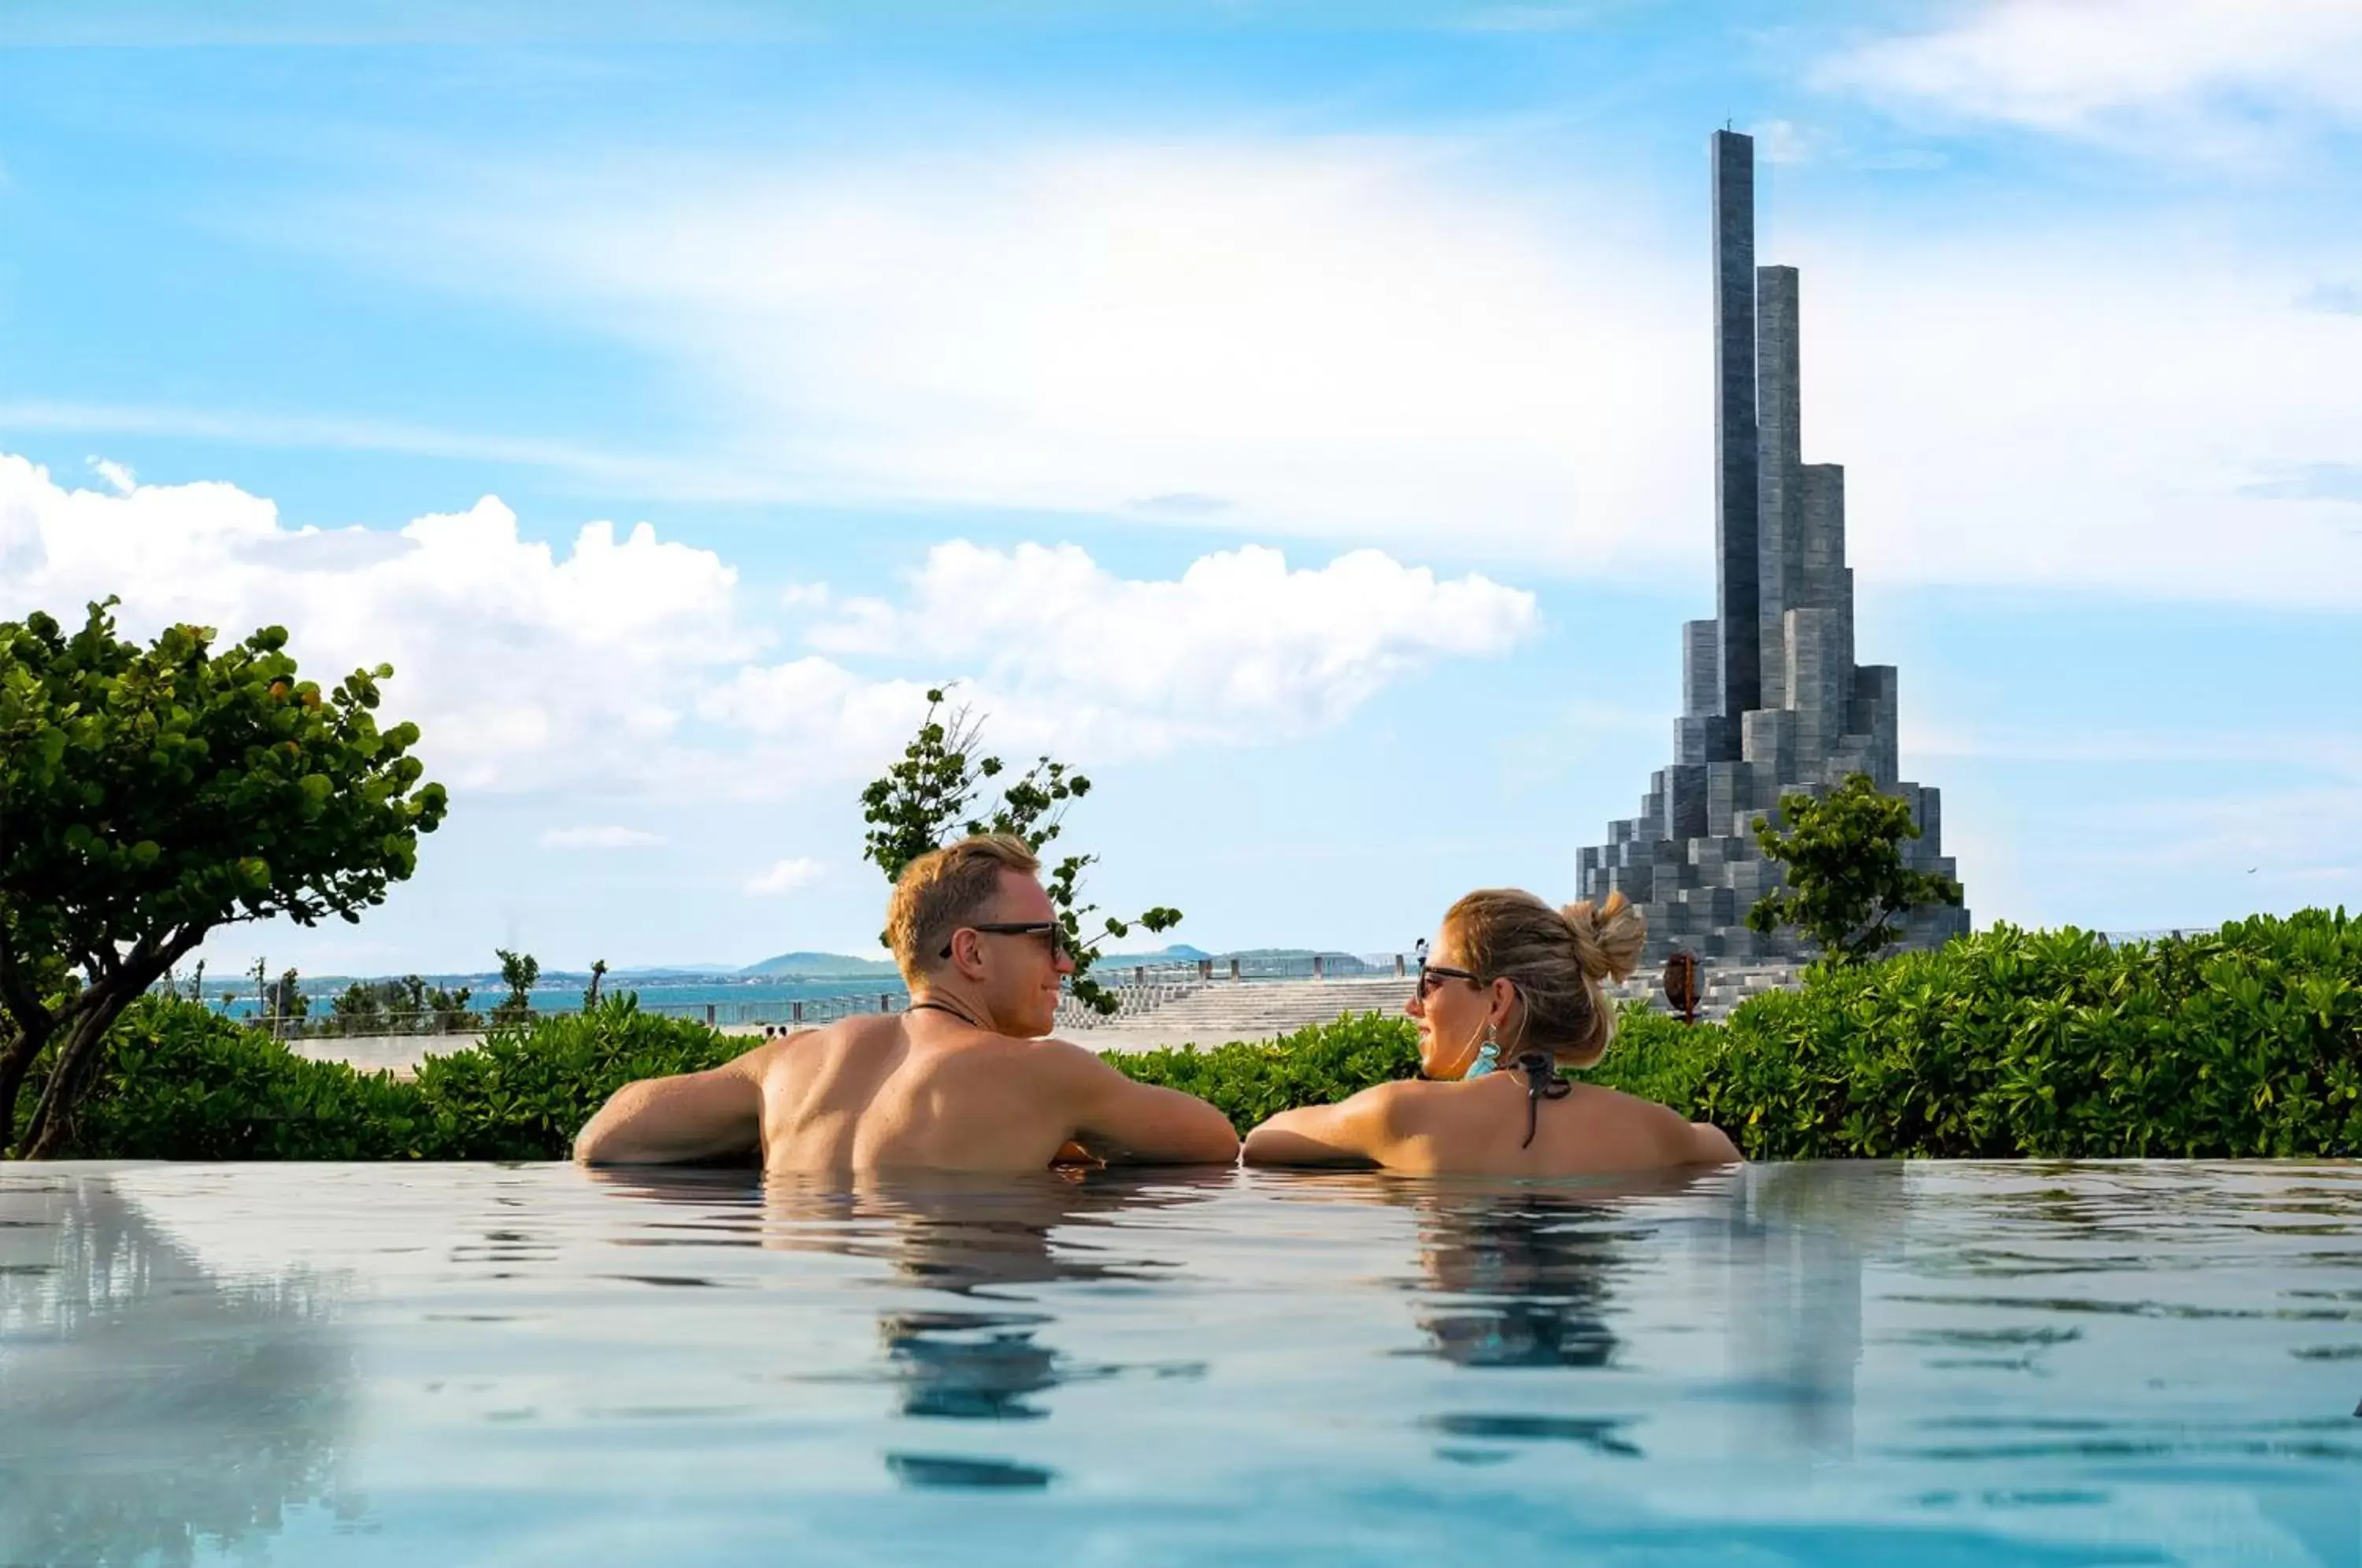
(1772, 702)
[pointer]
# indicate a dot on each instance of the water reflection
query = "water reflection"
(151, 1406)
(1792, 1247)
(976, 1351)
(1522, 1276)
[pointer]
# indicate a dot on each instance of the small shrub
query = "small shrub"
(1251, 1080)
(2243, 1043)
(528, 1088)
(182, 1083)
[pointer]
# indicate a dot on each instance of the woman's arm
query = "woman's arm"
(1713, 1145)
(1359, 1131)
(681, 1119)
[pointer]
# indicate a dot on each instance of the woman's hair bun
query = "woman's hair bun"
(1608, 936)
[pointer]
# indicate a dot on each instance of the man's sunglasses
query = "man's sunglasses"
(1049, 928)
(1431, 976)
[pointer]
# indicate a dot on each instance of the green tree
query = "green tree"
(285, 1000)
(151, 795)
(931, 797)
(591, 992)
(519, 972)
(1847, 885)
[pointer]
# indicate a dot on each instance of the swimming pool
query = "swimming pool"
(1833, 1364)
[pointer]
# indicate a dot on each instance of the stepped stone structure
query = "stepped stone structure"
(1773, 701)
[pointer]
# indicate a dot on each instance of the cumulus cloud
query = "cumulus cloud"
(2118, 68)
(1239, 647)
(784, 877)
(124, 480)
(536, 665)
(622, 662)
(609, 837)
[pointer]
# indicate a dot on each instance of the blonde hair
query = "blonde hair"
(945, 890)
(1558, 959)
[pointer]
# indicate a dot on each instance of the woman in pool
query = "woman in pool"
(1509, 993)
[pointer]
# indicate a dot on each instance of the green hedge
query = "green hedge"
(185, 1084)
(2248, 1041)
(2009, 1044)
(2050, 1045)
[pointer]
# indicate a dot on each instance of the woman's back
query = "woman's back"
(1511, 992)
(1478, 1128)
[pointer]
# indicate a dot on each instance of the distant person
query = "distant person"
(962, 1080)
(1510, 992)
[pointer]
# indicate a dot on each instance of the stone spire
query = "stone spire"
(1772, 702)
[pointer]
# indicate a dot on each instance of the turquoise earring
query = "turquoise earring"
(1488, 1055)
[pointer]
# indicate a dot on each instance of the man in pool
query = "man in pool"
(965, 1080)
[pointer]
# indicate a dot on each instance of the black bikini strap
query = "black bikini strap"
(1542, 1082)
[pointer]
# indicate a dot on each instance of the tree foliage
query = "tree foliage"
(520, 972)
(932, 796)
(407, 1006)
(1847, 884)
(151, 795)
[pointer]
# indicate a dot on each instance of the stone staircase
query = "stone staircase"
(1725, 987)
(1217, 1010)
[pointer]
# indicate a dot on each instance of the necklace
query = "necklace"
(960, 1014)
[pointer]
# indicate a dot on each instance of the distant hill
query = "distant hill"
(820, 967)
(1179, 953)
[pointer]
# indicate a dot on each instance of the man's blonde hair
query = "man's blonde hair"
(946, 888)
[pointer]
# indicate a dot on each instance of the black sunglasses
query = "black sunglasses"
(1049, 928)
(1431, 976)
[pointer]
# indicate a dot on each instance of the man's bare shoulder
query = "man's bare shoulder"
(847, 1035)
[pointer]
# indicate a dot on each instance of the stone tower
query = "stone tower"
(1771, 701)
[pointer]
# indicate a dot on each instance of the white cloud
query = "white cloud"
(525, 665)
(1372, 341)
(784, 877)
(608, 837)
(2203, 70)
(1354, 339)
(2103, 408)
(124, 480)
(624, 663)
(1238, 648)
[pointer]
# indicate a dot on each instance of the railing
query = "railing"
(791, 1012)
(1139, 989)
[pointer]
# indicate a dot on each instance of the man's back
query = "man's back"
(914, 1090)
(962, 1081)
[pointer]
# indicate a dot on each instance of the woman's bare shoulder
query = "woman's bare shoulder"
(1691, 1142)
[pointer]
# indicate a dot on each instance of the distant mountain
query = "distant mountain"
(821, 967)
(1179, 953)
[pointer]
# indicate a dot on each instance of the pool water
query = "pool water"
(1824, 1364)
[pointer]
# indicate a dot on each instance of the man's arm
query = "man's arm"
(681, 1119)
(1122, 1120)
(1356, 1131)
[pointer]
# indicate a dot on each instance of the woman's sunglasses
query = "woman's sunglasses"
(1432, 975)
(1049, 928)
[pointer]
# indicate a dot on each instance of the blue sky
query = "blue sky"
(1019, 345)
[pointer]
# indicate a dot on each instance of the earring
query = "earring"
(1488, 1054)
